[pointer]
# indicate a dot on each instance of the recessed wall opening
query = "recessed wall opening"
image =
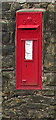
(28, 28)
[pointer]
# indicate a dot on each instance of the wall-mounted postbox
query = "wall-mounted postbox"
(28, 49)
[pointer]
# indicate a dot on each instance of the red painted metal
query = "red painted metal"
(29, 72)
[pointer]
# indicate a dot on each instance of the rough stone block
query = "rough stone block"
(51, 49)
(48, 18)
(49, 81)
(8, 38)
(0, 25)
(7, 50)
(11, 26)
(6, 6)
(8, 62)
(49, 62)
(4, 25)
(51, 8)
(6, 15)
(5, 38)
(8, 25)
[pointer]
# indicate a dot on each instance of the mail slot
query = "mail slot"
(28, 49)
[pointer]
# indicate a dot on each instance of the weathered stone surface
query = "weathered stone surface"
(34, 96)
(34, 1)
(8, 26)
(8, 38)
(49, 62)
(6, 6)
(6, 15)
(51, 8)
(8, 62)
(5, 37)
(37, 5)
(8, 49)
(49, 23)
(5, 25)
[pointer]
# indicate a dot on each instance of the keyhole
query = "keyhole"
(26, 65)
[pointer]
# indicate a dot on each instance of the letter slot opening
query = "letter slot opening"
(28, 28)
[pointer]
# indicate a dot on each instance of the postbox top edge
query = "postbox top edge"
(32, 10)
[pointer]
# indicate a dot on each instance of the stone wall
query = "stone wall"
(28, 104)
(22, 1)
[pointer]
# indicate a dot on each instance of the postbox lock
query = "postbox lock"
(23, 80)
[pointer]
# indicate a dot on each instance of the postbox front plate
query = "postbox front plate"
(28, 50)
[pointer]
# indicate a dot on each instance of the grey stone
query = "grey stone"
(8, 62)
(6, 6)
(5, 38)
(49, 62)
(23, 1)
(7, 50)
(4, 25)
(37, 5)
(51, 8)
(40, 1)
(6, 15)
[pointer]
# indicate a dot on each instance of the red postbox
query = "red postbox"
(28, 49)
